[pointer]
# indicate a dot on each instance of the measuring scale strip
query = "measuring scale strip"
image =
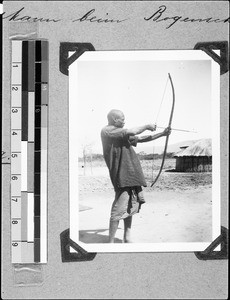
(18, 154)
(29, 186)
(44, 147)
(37, 158)
(16, 151)
(30, 149)
(40, 158)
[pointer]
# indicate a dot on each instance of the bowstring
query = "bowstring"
(162, 100)
(157, 119)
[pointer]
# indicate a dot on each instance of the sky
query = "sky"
(142, 90)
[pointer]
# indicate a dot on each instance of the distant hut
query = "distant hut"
(195, 158)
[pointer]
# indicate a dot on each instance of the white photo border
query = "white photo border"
(163, 55)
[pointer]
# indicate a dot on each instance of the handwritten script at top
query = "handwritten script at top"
(159, 16)
(92, 16)
(89, 16)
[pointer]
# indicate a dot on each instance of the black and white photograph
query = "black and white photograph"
(115, 149)
(144, 151)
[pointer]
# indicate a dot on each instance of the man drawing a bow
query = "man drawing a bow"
(125, 169)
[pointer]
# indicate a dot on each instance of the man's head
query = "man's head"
(116, 117)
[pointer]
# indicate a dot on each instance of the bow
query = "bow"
(167, 137)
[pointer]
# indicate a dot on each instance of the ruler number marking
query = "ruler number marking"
(14, 88)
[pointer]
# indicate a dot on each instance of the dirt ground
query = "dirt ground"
(178, 208)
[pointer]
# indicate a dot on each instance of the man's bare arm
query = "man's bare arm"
(140, 129)
(148, 138)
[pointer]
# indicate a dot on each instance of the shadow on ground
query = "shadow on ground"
(93, 236)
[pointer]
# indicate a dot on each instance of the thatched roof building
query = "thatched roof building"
(195, 158)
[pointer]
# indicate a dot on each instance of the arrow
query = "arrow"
(178, 129)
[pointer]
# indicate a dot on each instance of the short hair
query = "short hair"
(112, 115)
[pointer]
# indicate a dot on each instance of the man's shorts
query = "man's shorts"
(125, 204)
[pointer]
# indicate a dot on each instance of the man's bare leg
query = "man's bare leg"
(113, 225)
(127, 229)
